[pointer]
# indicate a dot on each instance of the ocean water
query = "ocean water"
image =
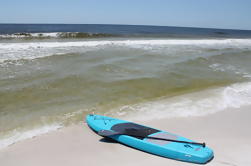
(51, 76)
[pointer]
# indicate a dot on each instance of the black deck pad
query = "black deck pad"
(134, 130)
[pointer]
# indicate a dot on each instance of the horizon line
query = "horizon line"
(133, 25)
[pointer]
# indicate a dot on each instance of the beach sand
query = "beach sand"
(226, 132)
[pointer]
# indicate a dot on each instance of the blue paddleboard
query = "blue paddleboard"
(151, 140)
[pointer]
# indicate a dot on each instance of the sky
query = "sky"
(227, 14)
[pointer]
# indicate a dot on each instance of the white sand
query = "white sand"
(227, 133)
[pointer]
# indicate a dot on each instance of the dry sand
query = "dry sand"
(226, 132)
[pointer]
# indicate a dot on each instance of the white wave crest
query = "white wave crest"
(33, 50)
(28, 35)
(195, 104)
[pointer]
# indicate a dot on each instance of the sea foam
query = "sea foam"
(33, 50)
(194, 104)
(16, 136)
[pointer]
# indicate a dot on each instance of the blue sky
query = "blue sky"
(230, 14)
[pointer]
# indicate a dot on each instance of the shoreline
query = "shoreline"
(225, 132)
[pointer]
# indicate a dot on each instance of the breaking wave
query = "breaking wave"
(33, 50)
(199, 103)
(53, 35)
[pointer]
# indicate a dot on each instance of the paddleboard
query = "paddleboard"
(174, 150)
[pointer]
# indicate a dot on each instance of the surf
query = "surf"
(33, 50)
